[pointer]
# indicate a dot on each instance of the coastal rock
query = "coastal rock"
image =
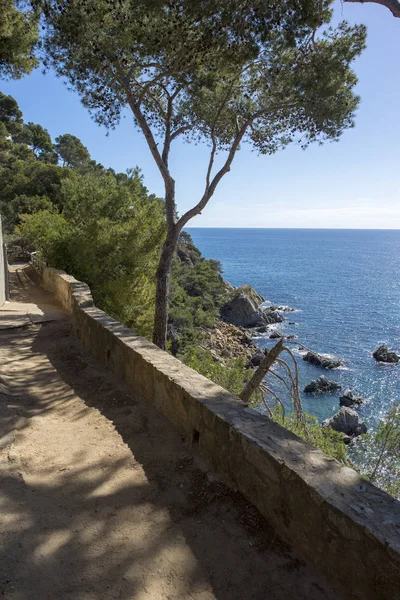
(272, 316)
(322, 385)
(224, 338)
(282, 308)
(275, 335)
(349, 399)
(262, 329)
(243, 309)
(291, 337)
(322, 361)
(257, 358)
(346, 421)
(382, 354)
(229, 287)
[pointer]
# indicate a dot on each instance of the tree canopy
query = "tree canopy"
(10, 114)
(221, 72)
(18, 38)
(39, 140)
(71, 151)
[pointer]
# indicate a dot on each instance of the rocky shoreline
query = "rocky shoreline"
(245, 315)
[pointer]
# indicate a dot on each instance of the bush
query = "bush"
(326, 439)
(197, 292)
(108, 235)
(378, 455)
(231, 376)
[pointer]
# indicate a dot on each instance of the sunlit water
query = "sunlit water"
(346, 287)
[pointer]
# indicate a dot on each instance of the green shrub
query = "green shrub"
(326, 439)
(231, 376)
(377, 455)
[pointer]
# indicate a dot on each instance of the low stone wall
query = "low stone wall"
(346, 527)
(3, 267)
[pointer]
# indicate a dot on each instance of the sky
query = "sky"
(353, 184)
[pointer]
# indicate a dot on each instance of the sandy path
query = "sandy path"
(101, 500)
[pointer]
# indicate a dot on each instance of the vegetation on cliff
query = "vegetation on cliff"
(103, 227)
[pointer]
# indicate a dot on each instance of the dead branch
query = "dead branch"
(260, 373)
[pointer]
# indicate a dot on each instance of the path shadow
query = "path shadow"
(236, 553)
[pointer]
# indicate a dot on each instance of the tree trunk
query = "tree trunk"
(392, 5)
(162, 289)
(262, 370)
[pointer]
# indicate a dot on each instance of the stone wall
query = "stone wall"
(347, 528)
(3, 267)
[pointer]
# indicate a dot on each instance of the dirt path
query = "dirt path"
(100, 499)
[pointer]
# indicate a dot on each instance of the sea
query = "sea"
(345, 287)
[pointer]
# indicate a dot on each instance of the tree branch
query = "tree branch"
(211, 162)
(167, 138)
(262, 370)
(196, 210)
(392, 5)
(180, 130)
(150, 82)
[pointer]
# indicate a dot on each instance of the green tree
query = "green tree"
(221, 72)
(18, 38)
(39, 140)
(22, 176)
(108, 235)
(10, 114)
(71, 151)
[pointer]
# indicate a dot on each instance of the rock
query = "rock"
(215, 357)
(322, 385)
(349, 399)
(229, 287)
(272, 316)
(291, 337)
(251, 292)
(322, 361)
(225, 353)
(346, 421)
(226, 341)
(256, 359)
(262, 329)
(187, 252)
(246, 338)
(275, 335)
(292, 323)
(242, 309)
(282, 308)
(382, 354)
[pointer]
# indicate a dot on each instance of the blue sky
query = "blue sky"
(351, 184)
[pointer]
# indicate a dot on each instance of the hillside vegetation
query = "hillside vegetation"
(103, 227)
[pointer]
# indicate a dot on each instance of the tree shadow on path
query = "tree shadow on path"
(120, 518)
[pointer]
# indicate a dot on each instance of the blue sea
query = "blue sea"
(345, 287)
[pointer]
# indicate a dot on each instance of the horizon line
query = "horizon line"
(296, 228)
